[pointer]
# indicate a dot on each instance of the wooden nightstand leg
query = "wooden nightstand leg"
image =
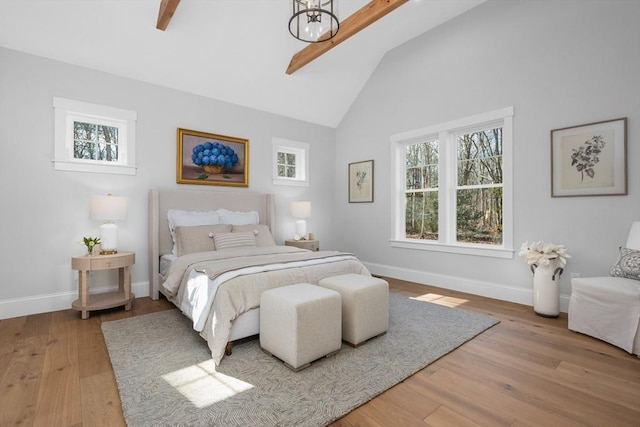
(121, 279)
(84, 297)
(125, 284)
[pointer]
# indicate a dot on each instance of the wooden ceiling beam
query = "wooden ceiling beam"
(167, 9)
(362, 18)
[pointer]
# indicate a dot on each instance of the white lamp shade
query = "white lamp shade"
(633, 242)
(300, 209)
(109, 208)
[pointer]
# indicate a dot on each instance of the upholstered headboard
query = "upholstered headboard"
(161, 200)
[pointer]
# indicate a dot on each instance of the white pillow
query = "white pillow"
(238, 218)
(180, 218)
(234, 240)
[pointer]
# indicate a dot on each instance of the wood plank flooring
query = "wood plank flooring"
(525, 371)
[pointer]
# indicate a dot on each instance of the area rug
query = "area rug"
(166, 377)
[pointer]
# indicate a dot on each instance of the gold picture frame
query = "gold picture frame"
(589, 159)
(361, 182)
(211, 159)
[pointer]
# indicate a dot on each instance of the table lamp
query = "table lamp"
(109, 209)
(300, 210)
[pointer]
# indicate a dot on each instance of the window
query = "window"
(95, 141)
(286, 163)
(94, 138)
(290, 162)
(453, 186)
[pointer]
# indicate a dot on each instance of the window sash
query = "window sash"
(120, 145)
(286, 164)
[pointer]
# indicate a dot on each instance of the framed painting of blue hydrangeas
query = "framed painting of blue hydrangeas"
(211, 159)
(590, 159)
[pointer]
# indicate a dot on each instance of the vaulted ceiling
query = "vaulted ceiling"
(231, 50)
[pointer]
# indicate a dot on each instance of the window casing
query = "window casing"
(93, 138)
(452, 186)
(290, 163)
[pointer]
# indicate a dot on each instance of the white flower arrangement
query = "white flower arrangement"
(543, 253)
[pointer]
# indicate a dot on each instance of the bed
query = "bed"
(219, 290)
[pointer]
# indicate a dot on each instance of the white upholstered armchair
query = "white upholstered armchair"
(608, 308)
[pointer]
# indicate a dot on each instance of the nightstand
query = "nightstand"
(87, 263)
(312, 245)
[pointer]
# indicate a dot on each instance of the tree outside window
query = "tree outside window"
(479, 190)
(422, 191)
(286, 163)
(95, 142)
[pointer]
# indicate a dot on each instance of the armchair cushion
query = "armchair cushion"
(607, 308)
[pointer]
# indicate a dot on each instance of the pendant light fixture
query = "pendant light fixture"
(314, 20)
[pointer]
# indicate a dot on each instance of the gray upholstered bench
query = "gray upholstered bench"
(300, 323)
(365, 306)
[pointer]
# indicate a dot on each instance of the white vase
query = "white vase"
(546, 289)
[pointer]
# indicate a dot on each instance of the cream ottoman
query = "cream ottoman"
(365, 306)
(300, 323)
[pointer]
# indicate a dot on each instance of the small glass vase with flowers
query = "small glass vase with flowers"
(91, 243)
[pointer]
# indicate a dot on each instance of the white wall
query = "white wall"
(44, 213)
(559, 64)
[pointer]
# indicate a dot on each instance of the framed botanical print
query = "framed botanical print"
(590, 159)
(361, 182)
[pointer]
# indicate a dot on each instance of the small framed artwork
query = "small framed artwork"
(361, 182)
(210, 159)
(590, 159)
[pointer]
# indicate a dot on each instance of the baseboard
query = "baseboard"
(62, 301)
(53, 302)
(486, 289)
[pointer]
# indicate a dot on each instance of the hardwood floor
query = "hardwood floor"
(525, 371)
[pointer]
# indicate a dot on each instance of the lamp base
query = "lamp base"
(301, 229)
(108, 238)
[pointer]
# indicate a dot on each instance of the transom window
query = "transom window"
(94, 138)
(290, 162)
(453, 186)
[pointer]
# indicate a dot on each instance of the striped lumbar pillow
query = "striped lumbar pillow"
(234, 240)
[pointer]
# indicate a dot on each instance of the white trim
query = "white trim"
(68, 110)
(86, 166)
(455, 125)
(497, 291)
(477, 250)
(59, 301)
(301, 151)
(97, 110)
